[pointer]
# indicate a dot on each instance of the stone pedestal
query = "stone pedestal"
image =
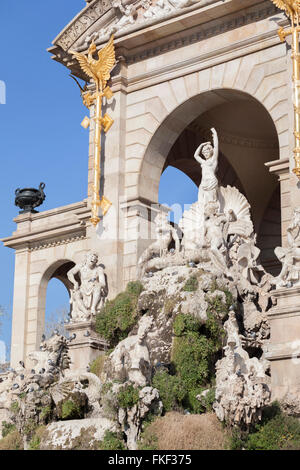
(284, 349)
(87, 345)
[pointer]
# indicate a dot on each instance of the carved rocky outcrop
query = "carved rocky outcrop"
(242, 387)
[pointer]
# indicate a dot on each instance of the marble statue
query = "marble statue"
(214, 223)
(50, 363)
(52, 356)
(164, 233)
(242, 387)
(128, 16)
(290, 256)
(209, 182)
(131, 358)
(88, 296)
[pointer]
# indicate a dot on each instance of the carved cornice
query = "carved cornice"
(51, 244)
(86, 18)
(96, 8)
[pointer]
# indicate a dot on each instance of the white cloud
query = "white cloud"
(2, 92)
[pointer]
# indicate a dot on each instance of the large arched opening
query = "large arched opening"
(248, 139)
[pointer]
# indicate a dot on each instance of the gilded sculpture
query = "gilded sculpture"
(99, 71)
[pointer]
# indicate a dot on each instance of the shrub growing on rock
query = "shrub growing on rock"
(276, 431)
(72, 407)
(128, 396)
(118, 316)
(7, 428)
(191, 284)
(111, 441)
(171, 390)
(194, 353)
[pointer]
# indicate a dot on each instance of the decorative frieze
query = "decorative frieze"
(207, 31)
(231, 139)
(80, 24)
(54, 243)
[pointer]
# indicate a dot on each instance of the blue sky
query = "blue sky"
(40, 134)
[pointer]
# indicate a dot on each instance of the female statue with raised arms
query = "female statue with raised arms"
(209, 183)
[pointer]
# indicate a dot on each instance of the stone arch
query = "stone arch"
(157, 115)
(165, 137)
(58, 270)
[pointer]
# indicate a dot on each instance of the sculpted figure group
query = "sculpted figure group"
(127, 15)
(216, 231)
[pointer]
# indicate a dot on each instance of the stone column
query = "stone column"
(284, 348)
(281, 168)
(20, 304)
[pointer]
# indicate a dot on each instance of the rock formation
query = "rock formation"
(242, 387)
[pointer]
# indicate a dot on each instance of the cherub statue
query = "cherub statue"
(89, 296)
(209, 183)
(290, 256)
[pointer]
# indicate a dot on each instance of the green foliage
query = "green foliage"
(194, 352)
(191, 284)
(171, 390)
(36, 439)
(148, 440)
(277, 431)
(7, 428)
(135, 288)
(96, 367)
(184, 323)
(215, 331)
(14, 407)
(128, 396)
(45, 413)
(117, 317)
(35, 443)
(229, 297)
(191, 357)
(70, 410)
(112, 441)
(29, 427)
(203, 406)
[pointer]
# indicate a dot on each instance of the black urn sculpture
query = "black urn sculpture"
(30, 198)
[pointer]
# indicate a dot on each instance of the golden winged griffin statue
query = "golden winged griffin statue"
(99, 71)
(291, 7)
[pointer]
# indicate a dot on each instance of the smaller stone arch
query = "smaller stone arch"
(58, 270)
